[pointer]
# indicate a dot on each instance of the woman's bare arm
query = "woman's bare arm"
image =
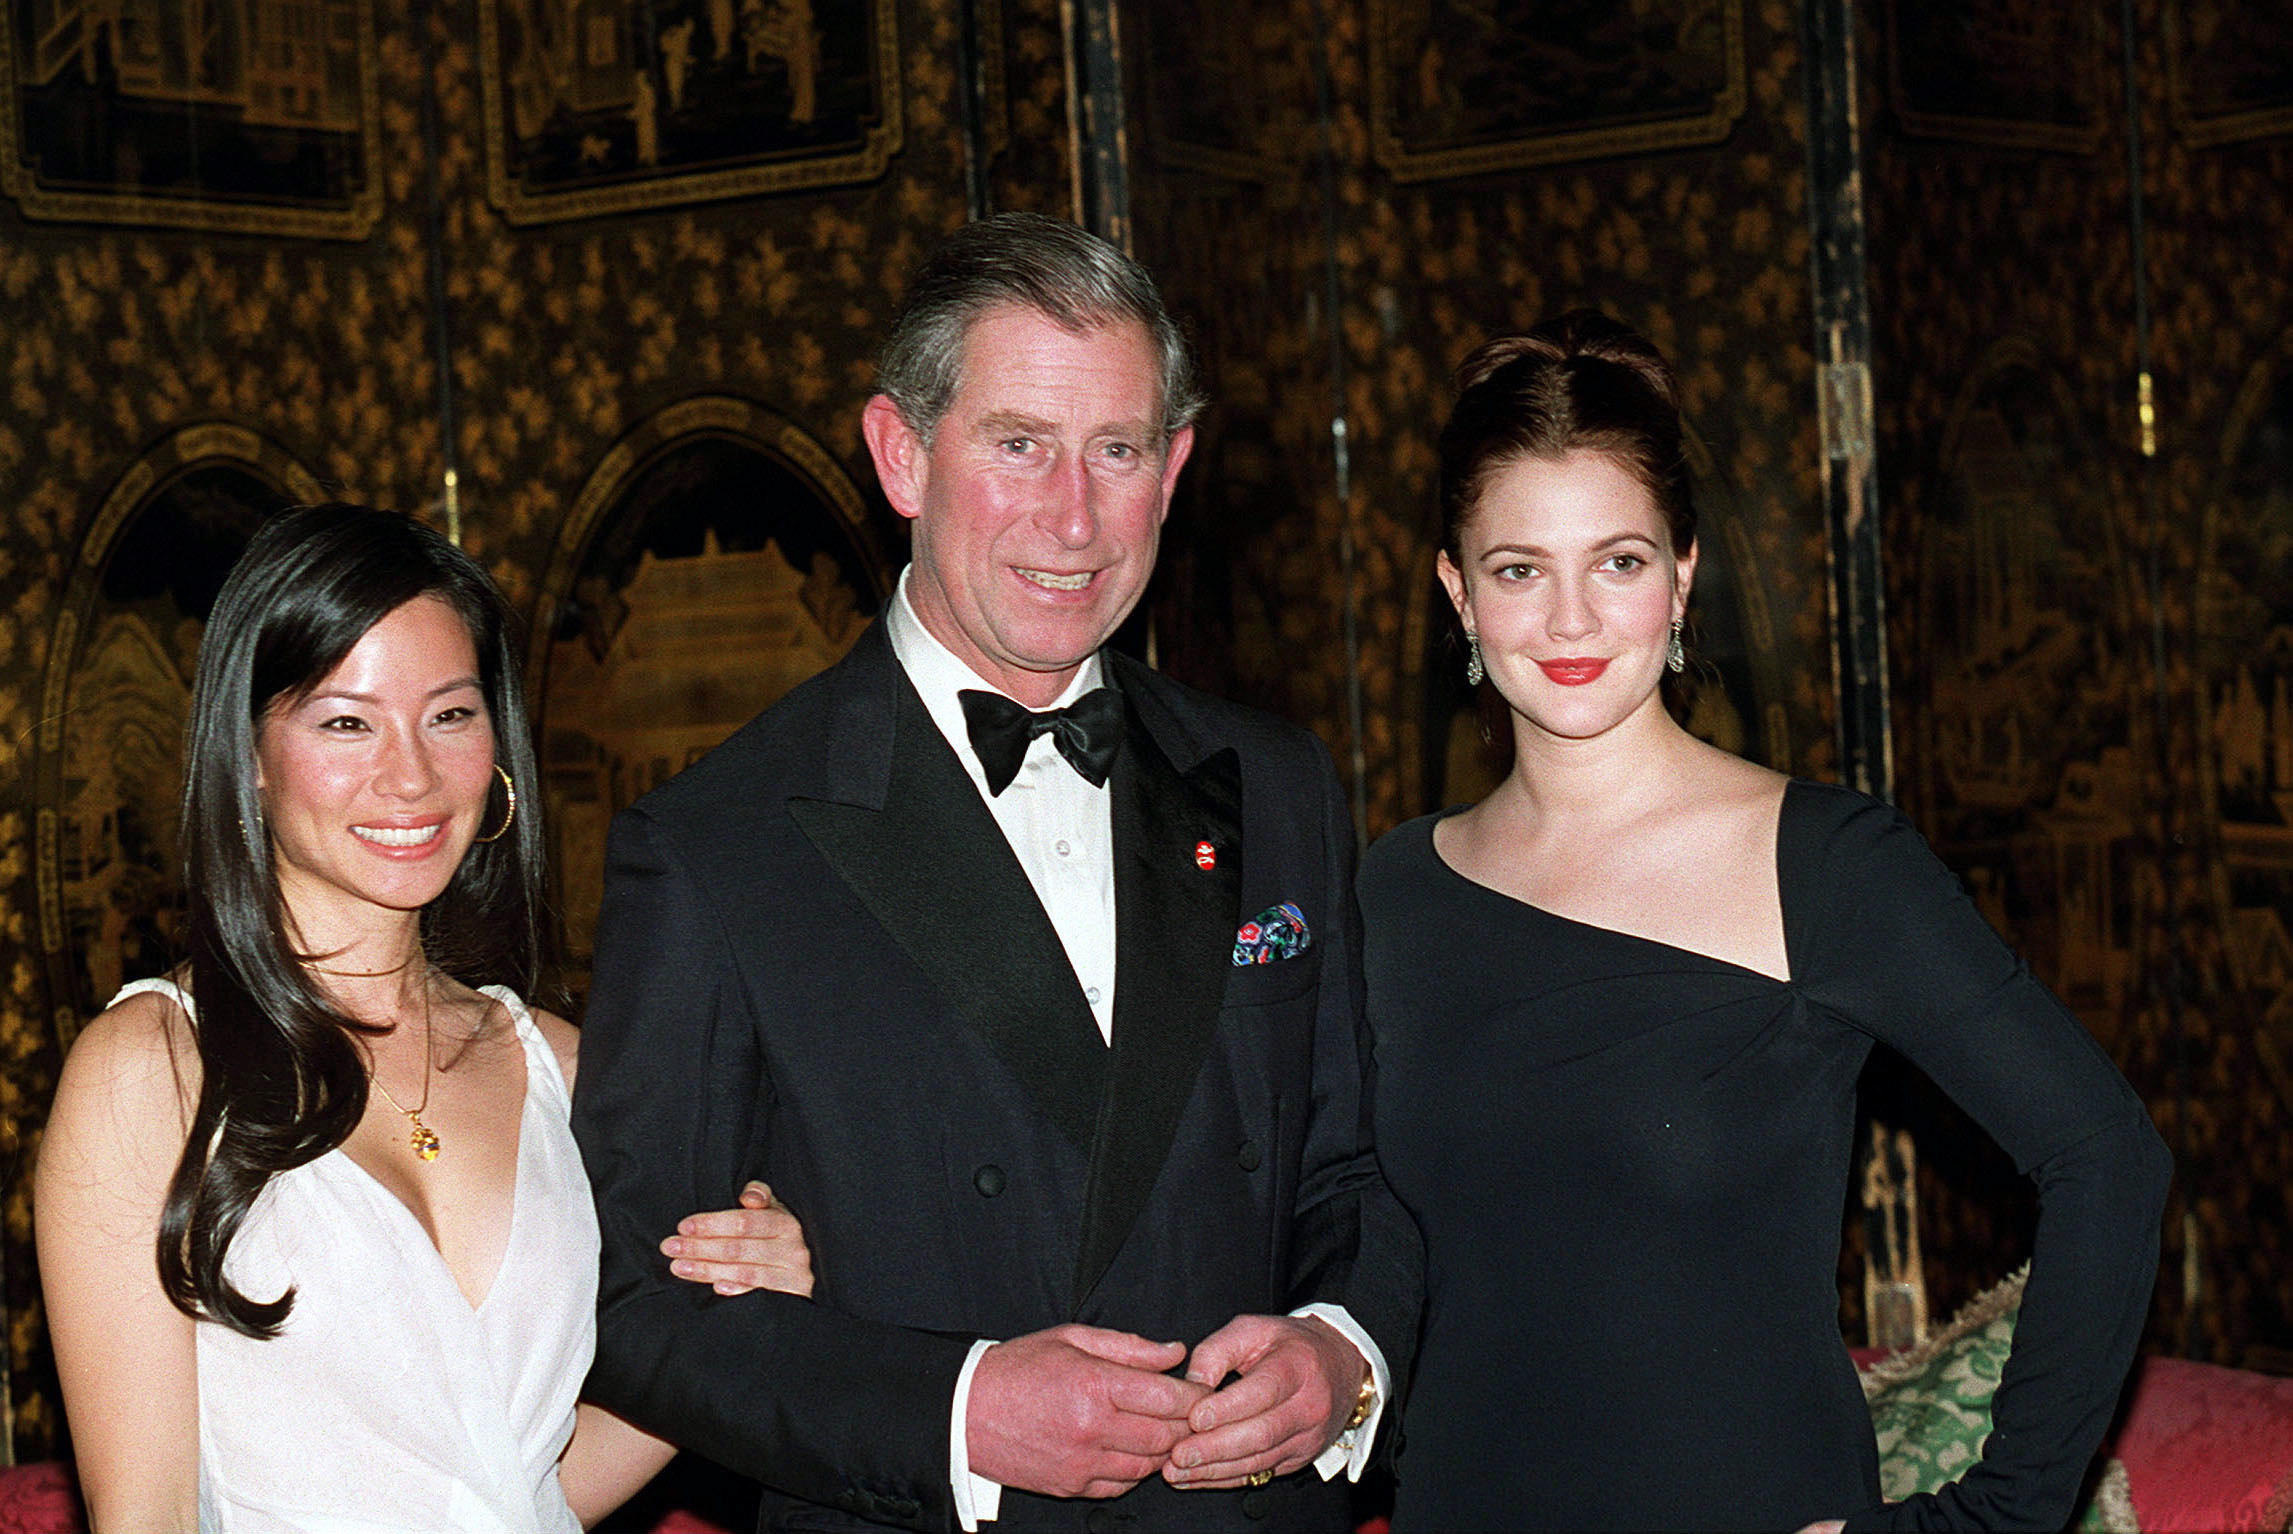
(756, 1245)
(608, 1462)
(125, 1354)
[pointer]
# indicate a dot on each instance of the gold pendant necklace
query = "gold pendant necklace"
(424, 1140)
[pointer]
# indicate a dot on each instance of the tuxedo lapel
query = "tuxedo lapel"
(1174, 923)
(903, 825)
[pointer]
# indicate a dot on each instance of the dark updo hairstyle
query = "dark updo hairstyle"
(1579, 382)
(281, 1081)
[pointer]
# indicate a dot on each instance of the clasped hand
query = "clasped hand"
(1079, 1411)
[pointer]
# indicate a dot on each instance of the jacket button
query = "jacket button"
(900, 1507)
(988, 1180)
(1098, 1521)
(1246, 1156)
(1255, 1502)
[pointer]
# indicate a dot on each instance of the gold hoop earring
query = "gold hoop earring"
(510, 789)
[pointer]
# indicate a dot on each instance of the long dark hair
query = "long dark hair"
(281, 1081)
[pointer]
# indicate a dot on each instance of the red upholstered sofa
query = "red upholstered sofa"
(2207, 1450)
(38, 1499)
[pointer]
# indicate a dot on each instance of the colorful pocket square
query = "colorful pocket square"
(1278, 932)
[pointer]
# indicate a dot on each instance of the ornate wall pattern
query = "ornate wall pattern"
(715, 528)
(120, 339)
(565, 337)
(589, 111)
(1705, 249)
(1466, 87)
(594, 346)
(2224, 307)
(2084, 647)
(269, 125)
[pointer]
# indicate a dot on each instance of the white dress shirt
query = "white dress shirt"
(1061, 830)
(1058, 825)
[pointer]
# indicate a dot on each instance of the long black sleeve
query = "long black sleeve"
(1894, 947)
(1355, 1245)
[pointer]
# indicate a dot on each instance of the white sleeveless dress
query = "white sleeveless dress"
(387, 1403)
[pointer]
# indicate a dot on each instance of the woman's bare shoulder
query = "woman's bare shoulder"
(1718, 790)
(142, 1043)
(128, 1086)
(1727, 778)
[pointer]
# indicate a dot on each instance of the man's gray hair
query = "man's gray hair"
(1063, 273)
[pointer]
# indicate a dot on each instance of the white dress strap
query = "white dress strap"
(162, 986)
(539, 1056)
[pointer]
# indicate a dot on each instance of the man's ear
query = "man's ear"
(1174, 456)
(899, 453)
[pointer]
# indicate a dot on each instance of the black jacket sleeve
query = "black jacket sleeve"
(1356, 1246)
(670, 1100)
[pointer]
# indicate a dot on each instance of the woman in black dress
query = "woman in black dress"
(1620, 1008)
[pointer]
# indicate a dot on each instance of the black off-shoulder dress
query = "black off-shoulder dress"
(1630, 1164)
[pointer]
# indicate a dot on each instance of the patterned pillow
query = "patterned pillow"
(1930, 1406)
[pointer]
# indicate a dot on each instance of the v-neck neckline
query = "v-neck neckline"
(517, 1183)
(1783, 900)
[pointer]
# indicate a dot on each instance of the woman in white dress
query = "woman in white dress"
(316, 1246)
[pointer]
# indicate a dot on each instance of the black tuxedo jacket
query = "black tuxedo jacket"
(819, 963)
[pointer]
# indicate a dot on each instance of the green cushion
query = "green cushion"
(1930, 1406)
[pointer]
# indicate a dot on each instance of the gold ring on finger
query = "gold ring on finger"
(1259, 1477)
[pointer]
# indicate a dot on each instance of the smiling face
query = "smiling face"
(1571, 586)
(1039, 501)
(374, 784)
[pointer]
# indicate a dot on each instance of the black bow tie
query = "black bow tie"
(1088, 733)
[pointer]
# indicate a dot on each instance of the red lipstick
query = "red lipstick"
(1571, 671)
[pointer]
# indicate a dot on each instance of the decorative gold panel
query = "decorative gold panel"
(112, 114)
(2229, 70)
(1468, 87)
(2021, 76)
(609, 106)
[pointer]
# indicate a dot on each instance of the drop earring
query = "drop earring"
(1474, 671)
(1675, 656)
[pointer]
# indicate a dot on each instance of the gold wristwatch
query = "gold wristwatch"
(1363, 1402)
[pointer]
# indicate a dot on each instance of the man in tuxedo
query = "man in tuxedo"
(1028, 978)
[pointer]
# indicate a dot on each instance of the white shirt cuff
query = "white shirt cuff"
(1349, 1452)
(978, 1499)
